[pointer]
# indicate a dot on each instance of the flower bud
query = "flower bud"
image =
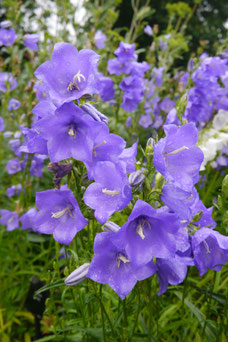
(60, 170)
(78, 275)
(150, 145)
(136, 178)
(197, 216)
(111, 227)
(94, 113)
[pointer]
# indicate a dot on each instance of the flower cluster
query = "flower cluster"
(132, 85)
(163, 236)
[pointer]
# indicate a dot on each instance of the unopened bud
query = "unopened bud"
(136, 178)
(111, 227)
(94, 113)
(60, 170)
(150, 145)
(197, 216)
(78, 275)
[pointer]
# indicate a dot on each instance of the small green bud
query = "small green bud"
(197, 216)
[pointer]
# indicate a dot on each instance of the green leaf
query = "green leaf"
(54, 284)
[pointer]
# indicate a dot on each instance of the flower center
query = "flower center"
(141, 226)
(122, 258)
(96, 146)
(110, 192)
(76, 80)
(72, 132)
(60, 213)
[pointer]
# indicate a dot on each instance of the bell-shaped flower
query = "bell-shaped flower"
(112, 265)
(59, 214)
(177, 158)
(172, 271)
(9, 219)
(150, 233)
(110, 192)
(68, 133)
(186, 204)
(69, 74)
(210, 250)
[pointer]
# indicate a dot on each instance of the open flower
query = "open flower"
(59, 214)
(110, 192)
(69, 74)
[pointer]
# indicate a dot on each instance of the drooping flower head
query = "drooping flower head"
(69, 74)
(59, 214)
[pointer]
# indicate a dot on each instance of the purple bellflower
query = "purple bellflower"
(59, 214)
(126, 51)
(106, 147)
(150, 233)
(127, 158)
(68, 133)
(119, 66)
(177, 158)
(172, 271)
(186, 204)
(34, 143)
(112, 265)
(31, 41)
(7, 37)
(9, 219)
(14, 190)
(111, 191)
(7, 82)
(145, 120)
(210, 250)
(99, 39)
(69, 74)
(27, 220)
(13, 166)
(105, 86)
(13, 104)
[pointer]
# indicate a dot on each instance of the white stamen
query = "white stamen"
(60, 213)
(94, 149)
(121, 258)
(77, 79)
(176, 151)
(206, 246)
(141, 227)
(110, 192)
(72, 132)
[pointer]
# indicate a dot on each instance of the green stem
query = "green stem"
(102, 316)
